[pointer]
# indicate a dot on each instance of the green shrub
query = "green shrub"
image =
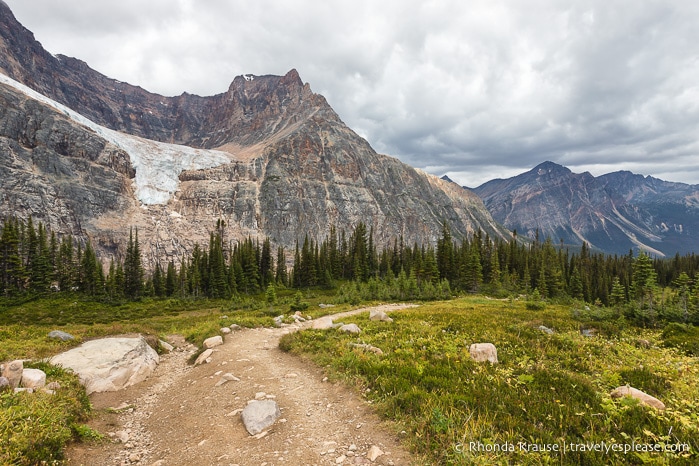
(34, 427)
(684, 337)
(645, 380)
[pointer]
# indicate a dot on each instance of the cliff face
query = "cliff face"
(285, 165)
(56, 170)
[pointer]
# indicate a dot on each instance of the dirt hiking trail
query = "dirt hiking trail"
(180, 416)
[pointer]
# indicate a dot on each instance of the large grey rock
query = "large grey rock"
(643, 397)
(4, 384)
(481, 352)
(258, 415)
(12, 371)
(33, 378)
(110, 364)
(61, 335)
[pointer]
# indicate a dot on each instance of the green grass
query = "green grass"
(546, 390)
(34, 428)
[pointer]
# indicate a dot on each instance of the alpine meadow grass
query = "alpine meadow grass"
(547, 401)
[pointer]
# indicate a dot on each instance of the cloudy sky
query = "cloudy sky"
(473, 89)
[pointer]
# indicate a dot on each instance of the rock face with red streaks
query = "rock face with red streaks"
(291, 166)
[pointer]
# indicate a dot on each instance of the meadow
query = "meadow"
(548, 393)
(34, 428)
(547, 400)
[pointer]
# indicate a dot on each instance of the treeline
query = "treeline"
(33, 260)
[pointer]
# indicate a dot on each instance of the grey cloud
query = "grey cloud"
(476, 89)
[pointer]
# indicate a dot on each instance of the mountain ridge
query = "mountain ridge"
(614, 213)
(293, 168)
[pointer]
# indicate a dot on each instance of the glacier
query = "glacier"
(157, 164)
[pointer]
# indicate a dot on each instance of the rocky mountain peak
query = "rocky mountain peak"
(550, 169)
(290, 167)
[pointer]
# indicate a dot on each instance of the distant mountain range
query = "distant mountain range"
(614, 213)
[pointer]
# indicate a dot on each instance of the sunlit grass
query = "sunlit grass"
(546, 389)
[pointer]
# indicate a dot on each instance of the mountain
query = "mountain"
(670, 209)
(92, 156)
(613, 213)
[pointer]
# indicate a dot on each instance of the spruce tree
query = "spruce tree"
(133, 269)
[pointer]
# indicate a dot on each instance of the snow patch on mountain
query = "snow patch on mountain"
(158, 165)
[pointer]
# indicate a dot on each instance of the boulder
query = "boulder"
(258, 415)
(33, 378)
(204, 357)
(379, 315)
(350, 328)
(545, 329)
(323, 323)
(110, 364)
(60, 335)
(644, 398)
(213, 342)
(12, 371)
(225, 330)
(482, 352)
(4, 384)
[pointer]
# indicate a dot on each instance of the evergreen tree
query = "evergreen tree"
(171, 279)
(643, 280)
(11, 265)
(133, 269)
(281, 276)
(445, 254)
(266, 263)
(92, 275)
(618, 296)
(158, 281)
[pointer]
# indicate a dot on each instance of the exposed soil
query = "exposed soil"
(180, 417)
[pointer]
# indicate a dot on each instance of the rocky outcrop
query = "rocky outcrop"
(56, 170)
(110, 364)
(350, 328)
(60, 335)
(379, 315)
(670, 210)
